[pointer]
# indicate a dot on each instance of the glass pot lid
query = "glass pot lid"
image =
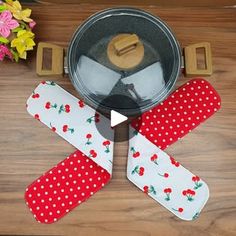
(96, 77)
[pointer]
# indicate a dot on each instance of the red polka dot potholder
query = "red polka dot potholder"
(181, 112)
(64, 187)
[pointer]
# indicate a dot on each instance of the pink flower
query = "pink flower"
(4, 51)
(32, 24)
(7, 23)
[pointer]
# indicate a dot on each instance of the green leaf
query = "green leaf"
(2, 8)
(135, 132)
(15, 55)
(196, 216)
(17, 29)
(4, 40)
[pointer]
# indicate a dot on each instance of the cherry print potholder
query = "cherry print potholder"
(164, 179)
(151, 169)
(74, 121)
(64, 187)
(181, 112)
(84, 172)
(87, 170)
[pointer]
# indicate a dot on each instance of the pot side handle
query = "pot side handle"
(56, 59)
(190, 58)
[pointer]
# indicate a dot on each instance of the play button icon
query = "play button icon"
(117, 118)
(121, 110)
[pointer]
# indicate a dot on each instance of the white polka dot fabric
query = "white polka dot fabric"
(152, 170)
(64, 187)
(88, 169)
(181, 112)
(84, 172)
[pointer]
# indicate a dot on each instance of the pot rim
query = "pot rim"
(140, 13)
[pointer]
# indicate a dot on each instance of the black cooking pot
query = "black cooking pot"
(95, 77)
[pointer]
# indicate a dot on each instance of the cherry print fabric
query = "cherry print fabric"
(181, 112)
(163, 178)
(160, 175)
(64, 187)
(153, 171)
(74, 121)
(84, 172)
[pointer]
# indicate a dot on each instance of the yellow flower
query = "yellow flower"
(18, 13)
(24, 42)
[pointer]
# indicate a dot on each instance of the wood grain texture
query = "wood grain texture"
(28, 148)
(169, 3)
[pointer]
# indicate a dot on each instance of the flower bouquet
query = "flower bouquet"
(16, 36)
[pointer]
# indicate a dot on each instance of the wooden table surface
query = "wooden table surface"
(28, 148)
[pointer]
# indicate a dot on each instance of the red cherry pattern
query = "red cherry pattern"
(196, 180)
(149, 189)
(138, 170)
(88, 137)
(106, 144)
(48, 105)
(53, 128)
(64, 108)
(95, 118)
(189, 194)
(154, 158)
(67, 108)
(145, 189)
(92, 153)
(141, 171)
(165, 175)
(135, 153)
(174, 162)
(81, 103)
(167, 191)
(180, 113)
(35, 95)
(65, 186)
(51, 83)
(36, 116)
(66, 128)
(180, 209)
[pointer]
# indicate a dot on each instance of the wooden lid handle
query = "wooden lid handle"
(126, 44)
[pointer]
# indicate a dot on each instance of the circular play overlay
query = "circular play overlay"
(119, 115)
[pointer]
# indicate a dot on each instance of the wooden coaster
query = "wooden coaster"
(125, 51)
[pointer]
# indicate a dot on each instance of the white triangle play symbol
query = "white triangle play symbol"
(117, 118)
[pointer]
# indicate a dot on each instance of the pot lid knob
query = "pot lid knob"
(125, 51)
